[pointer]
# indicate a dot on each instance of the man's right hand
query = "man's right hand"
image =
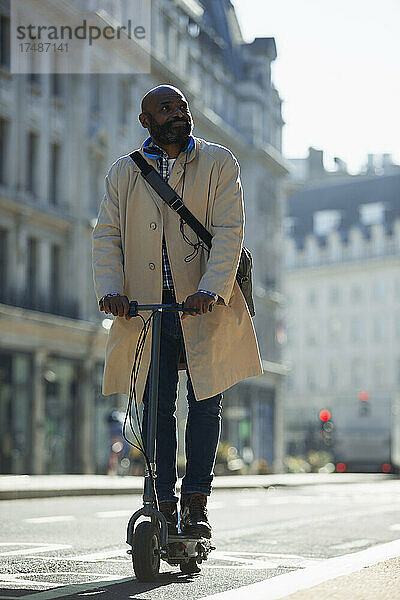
(115, 305)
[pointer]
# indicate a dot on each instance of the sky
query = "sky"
(337, 73)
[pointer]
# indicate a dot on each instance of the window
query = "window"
(32, 171)
(357, 372)
(34, 68)
(288, 226)
(55, 276)
(3, 262)
(372, 213)
(54, 175)
(5, 41)
(356, 330)
(356, 293)
(332, 374)
(325, 221)
(96, 182)
(334, 295)
(379, 290)
(310, 378)
(379, 372)
(32, 269)
(4, 137)
(94, 92)
(379, 328)
(398, 326)
(312, 333)
(334, 329)
(312, 298)
(56, 85)
(123, 102)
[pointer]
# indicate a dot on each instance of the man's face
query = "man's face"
(168, 118)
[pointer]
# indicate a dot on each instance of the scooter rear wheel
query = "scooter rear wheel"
(146, 551)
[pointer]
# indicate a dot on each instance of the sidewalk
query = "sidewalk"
(378, 582)
(370, 574)
(13, 487)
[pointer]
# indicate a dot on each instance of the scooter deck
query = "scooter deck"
(183, 547)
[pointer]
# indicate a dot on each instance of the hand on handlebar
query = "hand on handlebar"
(115, 305)
(202, 303)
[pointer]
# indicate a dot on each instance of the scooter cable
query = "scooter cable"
(133, 396)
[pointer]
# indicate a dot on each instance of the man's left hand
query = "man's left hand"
(199, 301)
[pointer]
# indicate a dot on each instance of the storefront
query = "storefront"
(15, 412)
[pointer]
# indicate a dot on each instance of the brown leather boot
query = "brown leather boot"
(170, 512)
(194, 519)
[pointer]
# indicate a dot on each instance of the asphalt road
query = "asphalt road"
(75, 546)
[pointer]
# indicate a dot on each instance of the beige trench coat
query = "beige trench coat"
(221, 346)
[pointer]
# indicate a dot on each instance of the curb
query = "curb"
(20, 487)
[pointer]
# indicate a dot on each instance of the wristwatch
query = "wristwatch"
(109, 294)
(215, 296)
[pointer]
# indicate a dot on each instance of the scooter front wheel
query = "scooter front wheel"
(146, 551)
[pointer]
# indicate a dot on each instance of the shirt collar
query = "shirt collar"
(151, 150)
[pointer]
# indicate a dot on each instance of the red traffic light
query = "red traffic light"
(324, 415)
(363, 396)
(341, 467)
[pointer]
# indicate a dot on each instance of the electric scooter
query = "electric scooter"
(149, 540)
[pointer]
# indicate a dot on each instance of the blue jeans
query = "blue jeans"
(203, 426)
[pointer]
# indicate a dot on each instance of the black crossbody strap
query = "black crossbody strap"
(169, 195)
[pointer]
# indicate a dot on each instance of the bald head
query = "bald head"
(159, 94)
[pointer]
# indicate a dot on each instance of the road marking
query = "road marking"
(37, 547)
(98, 556)
(249, 501)
(255, 563)
(352, 544)
(213, 504)
(113, 514)
(16, 579)
(395, 527)
(283, 585)
(69, 590)
(288, 524)
(55, 519)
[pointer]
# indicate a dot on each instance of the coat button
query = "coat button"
(152, 266)
(153, 225)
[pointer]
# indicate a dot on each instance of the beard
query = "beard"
(170, 134)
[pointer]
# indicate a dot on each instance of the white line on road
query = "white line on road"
(395, 527)
(212, 504)
(55, 519)
(69, 590)
(98, 556)
(259, 561)
(248, 501)
(283, 585)
(37, 547)
(351, 544)
(113, 514)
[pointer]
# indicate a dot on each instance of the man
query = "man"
(142, 251)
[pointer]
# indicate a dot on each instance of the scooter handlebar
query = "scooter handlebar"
(135, 308)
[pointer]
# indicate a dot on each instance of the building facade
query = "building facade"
(59, 135)
(342, 286)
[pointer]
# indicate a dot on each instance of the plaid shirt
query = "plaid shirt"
(163, 169)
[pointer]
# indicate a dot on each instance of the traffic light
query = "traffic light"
(326, 427)
(363, 398)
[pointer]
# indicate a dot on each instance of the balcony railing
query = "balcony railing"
(54, 306)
